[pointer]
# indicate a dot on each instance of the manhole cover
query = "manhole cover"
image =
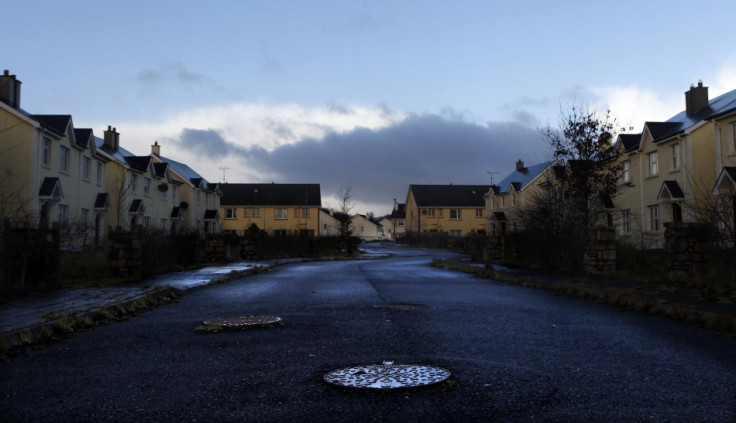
(403, 306)
(234, 322)
(387, 376)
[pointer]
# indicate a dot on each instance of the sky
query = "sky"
(370, 95)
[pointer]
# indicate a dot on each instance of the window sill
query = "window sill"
(675, 170)
(652, 176)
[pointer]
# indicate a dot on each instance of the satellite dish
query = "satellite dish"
(163, 187)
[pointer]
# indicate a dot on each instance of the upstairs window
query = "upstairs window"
(86, 168)
(430, 213)
(231, 214)
(46, 153)
(64, 159)
(675, 156)
(147, 186)
(100, 173)
(256, 212)
(478, 212)
(653, 167)
(280, 214)
(626, 172)
(133, 183)
(174, 192)
(456, 214)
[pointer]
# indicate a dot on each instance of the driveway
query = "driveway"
(515, 354)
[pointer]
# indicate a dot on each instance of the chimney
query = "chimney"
(520, 166)
(156, 149)
(10, 90)
(112, 138)
(696, 99)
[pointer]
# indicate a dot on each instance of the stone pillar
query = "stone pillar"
(686, 250)
(600, 250)
(125, 254)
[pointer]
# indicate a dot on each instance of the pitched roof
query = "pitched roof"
(521, 178)
(271, 195)
(137, 206)
(56, 123)
(82, 137)
(671, 190)
(160, 169)
(102, 202)
(139, 163)
(50, 188)
(188, 173)
(399, 211)
(717, 107)
(449, 195)
(211, 214)
(630, 142)
(728, 174)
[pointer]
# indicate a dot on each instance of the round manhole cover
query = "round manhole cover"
(387, 376)
(240, 321)
(403, 306)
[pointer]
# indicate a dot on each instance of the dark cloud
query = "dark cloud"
(381, 164)
(207, 142)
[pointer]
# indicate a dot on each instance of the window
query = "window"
(430, 213)
(85, 216)
(280, 232)
(46, 154)
(493, 203)
(256, 212)
(163, 223)
(654, 218)
(231, 214)
(86, 168)
(401, 223)
(245, 212)
(478, 212)
(164, 191)
(305, 212)
(174, 192)
(100, 173)
(146, 221)
(146, 186)
(63, 214)
(626, 172)
(676, 213)
(675, 156)
(280, 214)
(133, 183)
(456, 232)
(456, 214)
(653, 169)
(626, 219)
(64, 159)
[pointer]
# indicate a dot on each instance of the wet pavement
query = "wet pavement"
(514, 355)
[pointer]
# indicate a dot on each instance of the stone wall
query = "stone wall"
(600, 250)
(30, 257)
(686, 250)
(213, 248)
(125, 253)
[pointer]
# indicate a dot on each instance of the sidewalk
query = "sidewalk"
(24, 320)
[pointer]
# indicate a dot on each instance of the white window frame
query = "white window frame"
(86, 168)
(458, 214)
(64, 159)
(675, 156)
(626, 171)
(281, 214)
(133, 183)
(305, 212)
(63, 214)
(146, 186)
(652, 160)
(456, 232)
(174, 192)
(626, 221)
(256, 212)
(46, 152)
(479, 213)
(431, 213)
(231, 213)
(84, 216)
(164, 193)
(654, 218)
(100, 173)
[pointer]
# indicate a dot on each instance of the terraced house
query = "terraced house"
(278, 209)
(505, 199)
(680, 170)
(52, 172)
(458, 210)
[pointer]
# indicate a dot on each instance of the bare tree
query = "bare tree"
(344, 207)
(120, 188)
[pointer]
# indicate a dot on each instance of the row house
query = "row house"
(394, 225)
(52, 172)
(504, 201)
(278, 209)
(155, 192)
(458, 210)
(56, 174)
(198, 206)
(680, 170)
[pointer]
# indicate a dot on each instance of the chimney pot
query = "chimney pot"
(519, 165)
(6, 72)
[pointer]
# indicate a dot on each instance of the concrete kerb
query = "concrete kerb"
(63, 323)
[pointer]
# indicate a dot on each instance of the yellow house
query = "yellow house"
(52, 172)
(278, 209)
(458, 210)
(503, 201)
(670, 169)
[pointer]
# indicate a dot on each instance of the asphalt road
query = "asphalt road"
(515, 355)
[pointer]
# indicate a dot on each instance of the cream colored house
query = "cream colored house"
(278, 209)
(504, 201)
(52, 172)
(669, 170)
(365, 228)
(458, 210)
(329, 225)
(195, 201)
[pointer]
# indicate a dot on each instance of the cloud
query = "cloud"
(171, 72)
